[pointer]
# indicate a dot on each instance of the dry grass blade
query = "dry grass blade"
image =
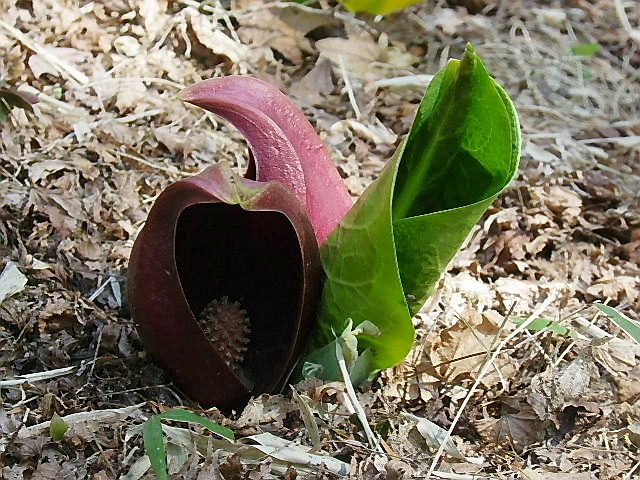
(352, 398)
(307, 417)
(64, 68)
(633, 33)
(36, 377)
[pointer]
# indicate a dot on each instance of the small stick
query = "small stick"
(347, 86)
(353, 399)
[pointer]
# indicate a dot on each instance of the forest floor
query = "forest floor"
(79, 175)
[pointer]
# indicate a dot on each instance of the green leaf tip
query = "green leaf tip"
(378, 7)
(58, 427)
(155, 447)
(388, 253)
(631, 327)
(182, 415)
(585, 49)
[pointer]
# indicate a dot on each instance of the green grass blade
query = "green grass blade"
(544, 324)
(154, 444)
(624, 322)
(585, 49)
(182, 415)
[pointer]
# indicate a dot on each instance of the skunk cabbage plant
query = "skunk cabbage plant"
(226, 276)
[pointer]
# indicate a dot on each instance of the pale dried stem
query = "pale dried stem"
(633, 33)
(634, 471)
(36, 377)
(348, 88)
(64, 68)
(355, 404)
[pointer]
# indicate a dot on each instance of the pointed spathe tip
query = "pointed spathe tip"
(191, 94)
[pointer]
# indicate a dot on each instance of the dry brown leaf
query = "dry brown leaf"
(518, 429)
(553, 389)
(522, 293)
(461, 350)
(282, 29)
(211, 36)
(174, 140)
(615, 287)
(574, 379)
(361, 54)
(313, 87)
(265, 409)
(617, 356)
(629, 386)
(12, 281)
(41, 63)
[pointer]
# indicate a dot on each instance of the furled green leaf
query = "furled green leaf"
(378, 7)
(390, 250)
(182, 415)
(322, 362)
(155, 447)
(624, 322)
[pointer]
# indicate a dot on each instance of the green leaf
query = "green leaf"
(4, 112)
(388, 253)
(323, 363)
(624, 322)
(155, 447)
(378, 7)
(544, 324)
(182, 415)
(11, 98)
(585, 49)
(58, 427)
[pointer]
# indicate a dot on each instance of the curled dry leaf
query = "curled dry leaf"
(12, 281)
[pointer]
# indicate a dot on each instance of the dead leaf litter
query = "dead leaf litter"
(480, 395)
